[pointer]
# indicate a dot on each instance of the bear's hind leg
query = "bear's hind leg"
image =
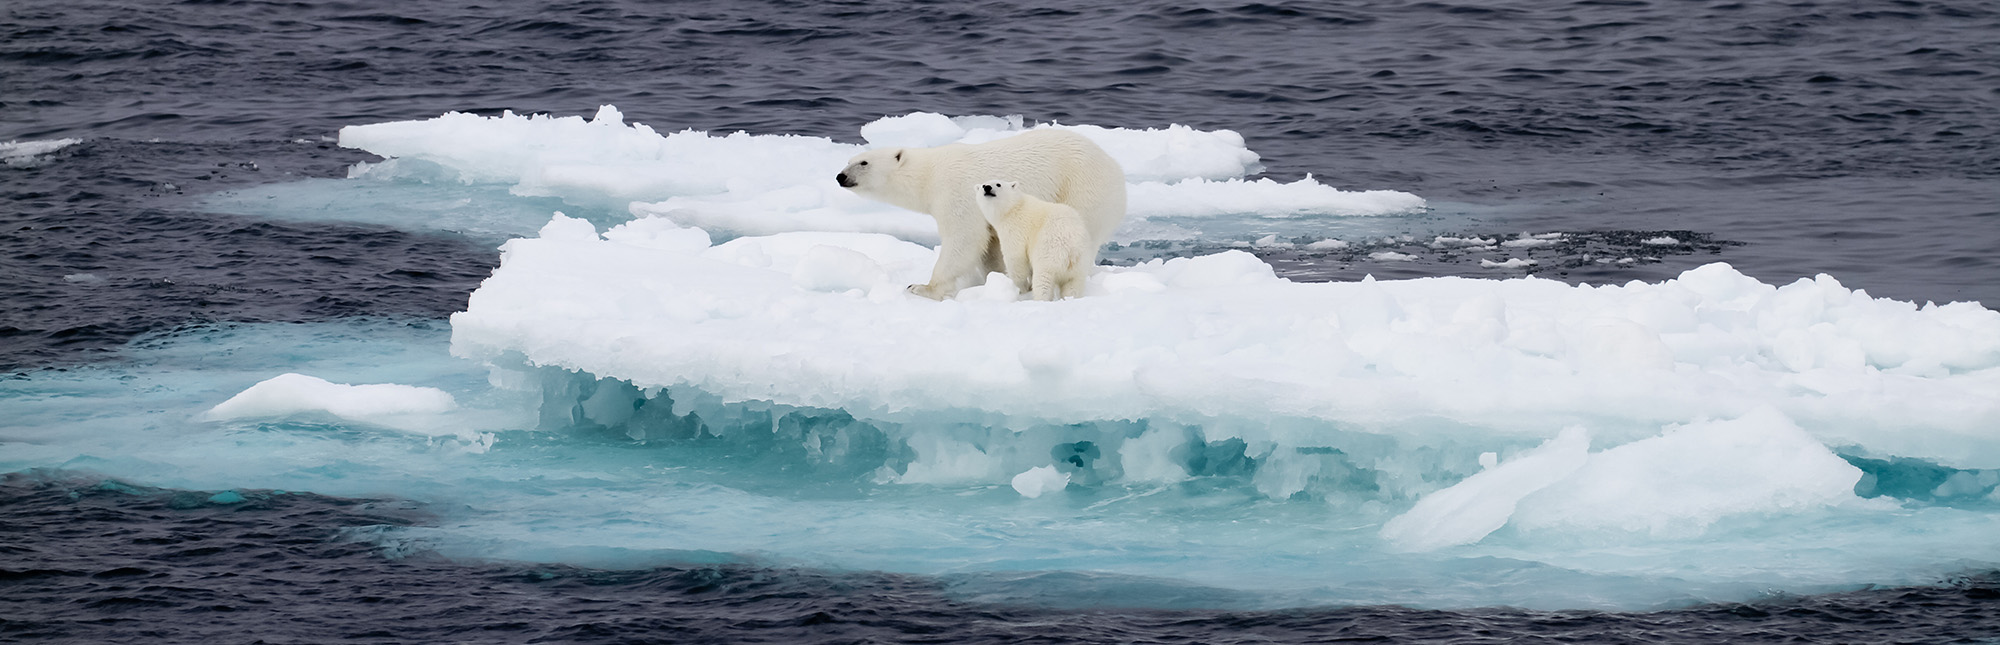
(1073, 287)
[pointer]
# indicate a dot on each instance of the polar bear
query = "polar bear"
(1051, 164)
(1046, 246)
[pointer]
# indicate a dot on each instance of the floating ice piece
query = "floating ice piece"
(1511, 263)
(289, 394)
(742, 184)
(1660, 241)
(1446, 241)
(804, 207)
(601, 162)
(1219, 337)
(930, 130)
(1689, 477)
(1262, 198)
(1154, 154)
(1479, 505)
(27, 154)
(1527, 241)
(1271, 242)
(1039, 481)
(1672, 485)
(1327, 245)
(1391, 256)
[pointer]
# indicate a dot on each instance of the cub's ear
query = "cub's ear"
(899, 155)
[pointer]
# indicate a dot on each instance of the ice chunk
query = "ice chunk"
(662, 234)
(1529, 242)
(742, 184)
(564, 227)
(1162, 154)
(1679, 483)
(929, 130)
(28, 154)
(288, 394)
(1039, 481)
(1271, 242)
(1190, 340)
(1673, 485)
(1469, 510)
(1511, 263)
(1262, 198)
(599, 163)
(1446, 242)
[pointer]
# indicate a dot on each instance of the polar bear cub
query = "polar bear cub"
(1046, 247)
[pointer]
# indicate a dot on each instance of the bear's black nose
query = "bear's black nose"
(843, 181)
(988, 188)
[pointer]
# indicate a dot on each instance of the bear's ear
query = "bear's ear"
(899, 155)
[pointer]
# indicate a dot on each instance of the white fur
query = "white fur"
(1046, 246)
(1051, 165)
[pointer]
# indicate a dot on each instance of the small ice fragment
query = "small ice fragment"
(1661, 241)
(564, 227)
(1040, 480)
(83, 278)
(1391, 256)
(28, 154)
(1326, 245)
(1511, 263)
(1445, 241)
(1271, 242)
(1480, 504)
(288, 394)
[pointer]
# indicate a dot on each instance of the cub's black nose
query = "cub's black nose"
(843, 181)
(988, 188)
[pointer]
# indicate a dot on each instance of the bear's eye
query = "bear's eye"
(864, 163)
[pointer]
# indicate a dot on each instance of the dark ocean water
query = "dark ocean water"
(1859, 139)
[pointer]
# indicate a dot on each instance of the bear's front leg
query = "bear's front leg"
(962, 261)
(1019, 268)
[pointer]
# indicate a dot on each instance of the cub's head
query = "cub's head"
(997, 197)
(869, 171)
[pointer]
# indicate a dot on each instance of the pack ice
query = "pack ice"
(748, 299)
(743, 184)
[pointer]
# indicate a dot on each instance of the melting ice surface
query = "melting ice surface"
(717, 363)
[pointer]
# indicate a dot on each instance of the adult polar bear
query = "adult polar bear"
(1052, 164)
